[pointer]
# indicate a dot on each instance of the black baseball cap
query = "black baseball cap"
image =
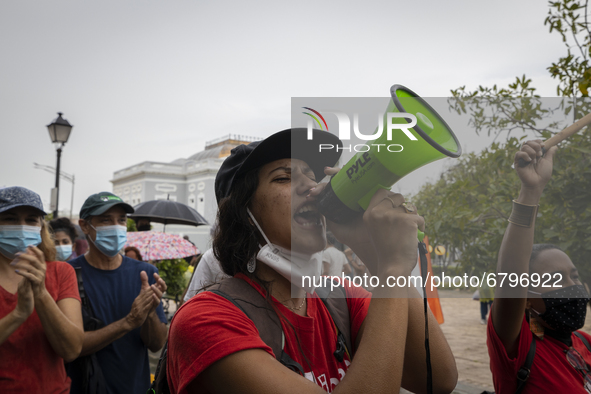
(99, 203)
(290, 143)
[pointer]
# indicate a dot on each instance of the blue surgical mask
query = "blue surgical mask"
(63, 252)
(110, 239)
(16, 238)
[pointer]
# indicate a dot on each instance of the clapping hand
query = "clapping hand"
(26, 302)
(157, 288)
(30, 264)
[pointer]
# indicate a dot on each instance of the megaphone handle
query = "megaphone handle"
(420, 235)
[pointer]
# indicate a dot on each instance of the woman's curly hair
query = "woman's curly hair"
(235, 240)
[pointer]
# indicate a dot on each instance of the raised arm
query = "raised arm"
(510, 302)
(445, 373)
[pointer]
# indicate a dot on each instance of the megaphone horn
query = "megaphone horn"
(351, 190)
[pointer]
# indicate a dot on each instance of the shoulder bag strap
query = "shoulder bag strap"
(83, 297)
(336, 304)
(524, 371)
(583, 339)
(264, 317)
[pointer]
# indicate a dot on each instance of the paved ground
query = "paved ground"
(467, 339)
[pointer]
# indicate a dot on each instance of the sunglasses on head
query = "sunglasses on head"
(578, 362)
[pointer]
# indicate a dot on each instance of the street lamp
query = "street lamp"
(59, 132)
(65, 176)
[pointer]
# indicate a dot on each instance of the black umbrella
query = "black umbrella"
(168, 212)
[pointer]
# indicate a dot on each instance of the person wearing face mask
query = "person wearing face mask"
(40, 318)
(124, 294)
(532, 336)
(270, 235)
(64, 235)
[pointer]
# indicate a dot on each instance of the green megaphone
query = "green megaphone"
(390, 156)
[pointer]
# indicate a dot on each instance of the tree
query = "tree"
(468, 206)
(131, 225)
(173, 271)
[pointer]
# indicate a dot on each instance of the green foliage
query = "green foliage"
(566, 204)
(131, 225)
(569, 18)
(467, 208)
(172, 271)
(498, 111)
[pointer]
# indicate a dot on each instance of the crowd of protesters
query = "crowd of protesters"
(72, 323)
(79, 321)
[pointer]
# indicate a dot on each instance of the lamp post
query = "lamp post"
(59, 132)
(65, 176)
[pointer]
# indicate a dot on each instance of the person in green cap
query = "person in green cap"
(124, 294)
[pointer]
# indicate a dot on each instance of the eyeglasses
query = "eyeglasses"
(578, 362)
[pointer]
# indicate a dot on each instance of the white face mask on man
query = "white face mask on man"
(291, 265)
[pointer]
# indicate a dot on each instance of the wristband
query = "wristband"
(523, 215)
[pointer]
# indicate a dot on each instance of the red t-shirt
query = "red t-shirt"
(28, 363)
(208, 328)
(550, 372)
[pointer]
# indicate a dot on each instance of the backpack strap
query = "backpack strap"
(583, 339)
(90, 321)
(336, 304)
(160, 383)
(256, 308)
(524, 371)
(83, 297)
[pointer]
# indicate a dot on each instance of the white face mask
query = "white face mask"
(292, 266)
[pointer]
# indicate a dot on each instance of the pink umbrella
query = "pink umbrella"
(154, 245)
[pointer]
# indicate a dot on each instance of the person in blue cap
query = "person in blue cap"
(124, 294)
(40, 317)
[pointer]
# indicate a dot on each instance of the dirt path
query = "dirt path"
(467, 339)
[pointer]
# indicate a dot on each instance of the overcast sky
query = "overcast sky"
(154, 80)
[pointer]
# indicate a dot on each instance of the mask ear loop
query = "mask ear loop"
(534, 325)
(88, 237)
(252, 264)
(536, 293)
(259, 227)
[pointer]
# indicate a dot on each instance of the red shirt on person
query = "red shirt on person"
(28, 363)
(208, 328)
(550, 372)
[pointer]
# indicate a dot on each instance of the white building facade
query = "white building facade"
(189, 181)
